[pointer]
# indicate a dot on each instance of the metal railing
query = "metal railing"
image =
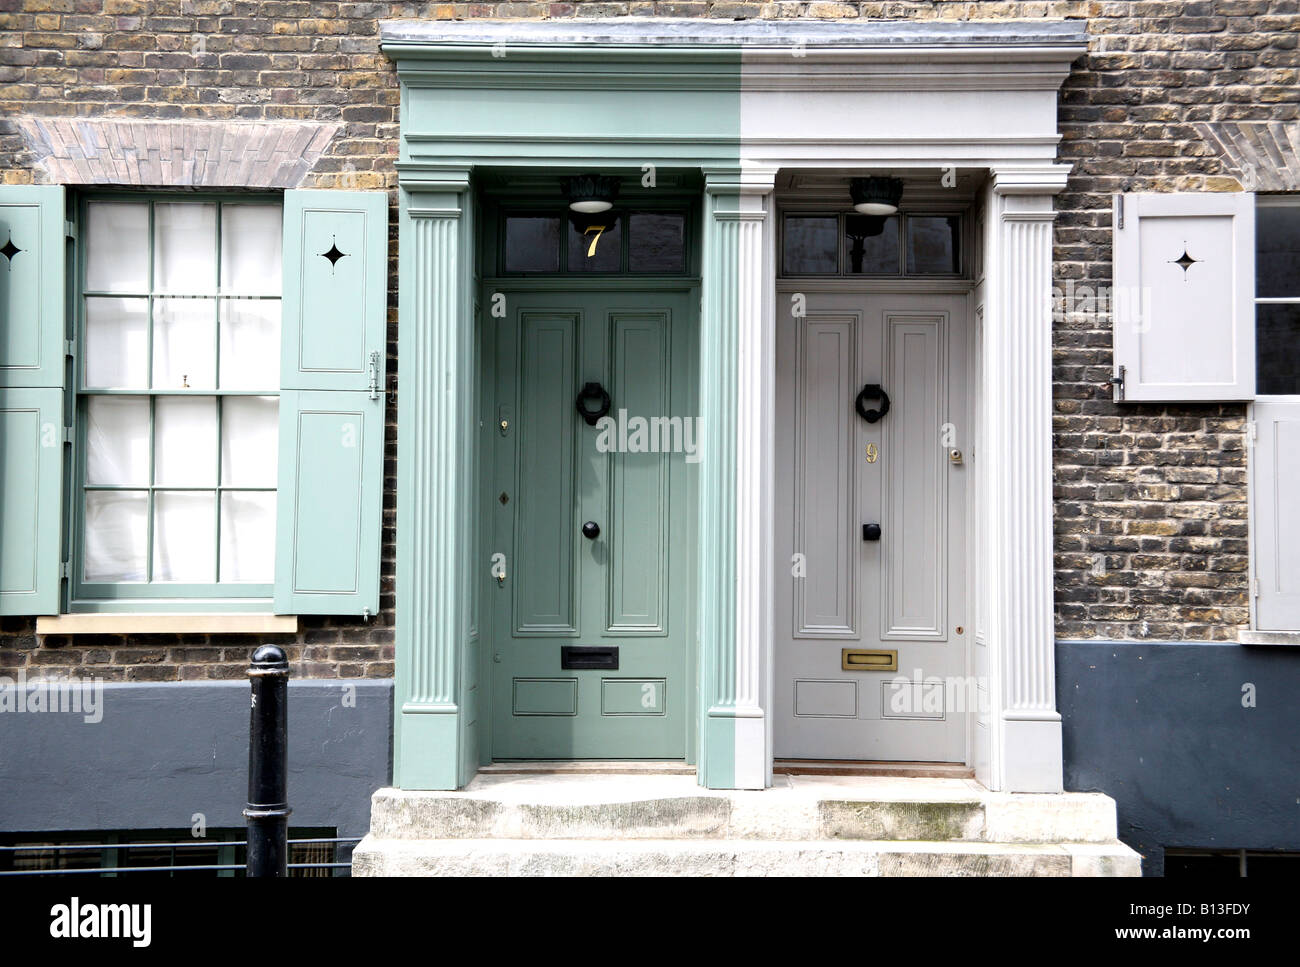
(300, 859)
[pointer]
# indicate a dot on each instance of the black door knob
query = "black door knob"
(871, 532)
(591, 530)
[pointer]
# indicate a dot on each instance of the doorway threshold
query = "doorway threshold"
(605, 767)
(855, 767)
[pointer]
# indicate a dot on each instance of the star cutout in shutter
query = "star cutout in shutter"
(333, 254)
(1184, 261)
(10, 250)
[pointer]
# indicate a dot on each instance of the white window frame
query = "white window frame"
(1255, 635)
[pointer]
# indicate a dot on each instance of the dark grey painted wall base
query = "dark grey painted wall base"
(1166, 729)
(163, 752)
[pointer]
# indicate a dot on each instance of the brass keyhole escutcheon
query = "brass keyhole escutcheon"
(873, 453)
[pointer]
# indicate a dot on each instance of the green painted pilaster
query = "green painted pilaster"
(434, 486)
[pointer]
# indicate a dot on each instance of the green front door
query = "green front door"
(592, 527)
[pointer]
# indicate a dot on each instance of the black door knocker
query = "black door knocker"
(872, 391)
(592, 391)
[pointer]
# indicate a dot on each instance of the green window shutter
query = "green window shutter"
(32, 356)
(331, 473)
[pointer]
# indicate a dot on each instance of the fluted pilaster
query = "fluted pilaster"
(736, 365)
(1018, 398)
(435, 347)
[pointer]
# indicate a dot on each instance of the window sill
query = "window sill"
(167, 624)
(1275, 638)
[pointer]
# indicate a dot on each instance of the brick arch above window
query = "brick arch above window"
(180, 154)
(1263, 155)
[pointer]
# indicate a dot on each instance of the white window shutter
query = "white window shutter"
(1182, 300)
(1275, 466)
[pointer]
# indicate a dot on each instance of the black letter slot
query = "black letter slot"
(587, 656)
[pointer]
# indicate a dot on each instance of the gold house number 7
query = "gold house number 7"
(599, 230)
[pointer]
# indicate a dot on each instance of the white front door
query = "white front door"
(870, 529)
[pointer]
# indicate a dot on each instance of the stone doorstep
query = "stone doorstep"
(797, 808)
(533, 857)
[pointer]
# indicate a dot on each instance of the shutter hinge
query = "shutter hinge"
(69, 229)
(1254, 587)
(374, 375)
(1252, 430)
(67, 434)
(69, 347)
(65, 570)
(1117, 383)
(1119, 210)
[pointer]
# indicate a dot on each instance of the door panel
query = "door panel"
(914, 564)
(825, 603)
(545, 598)
(639, 489)
(630, 587)
(835, 472)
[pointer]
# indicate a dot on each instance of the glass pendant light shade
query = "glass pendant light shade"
(876, 196)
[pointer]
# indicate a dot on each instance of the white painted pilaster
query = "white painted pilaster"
(1017, 400)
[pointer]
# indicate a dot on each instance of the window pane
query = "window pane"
(811, 244)
(608, 254)
(184, 344)
(871, 245)
(185, 441)
(532, 244)
(116, 532)
(185, 247)
(656, 243)
(248, 537)
(933, 245)
(1277, 251)
(250, 249)
(117, 440)
(249, 436)
(117, 246)
(1277, 348)
(117, 343)
(250, 344)
(184, 537)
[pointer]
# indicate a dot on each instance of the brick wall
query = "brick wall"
(1151, 500)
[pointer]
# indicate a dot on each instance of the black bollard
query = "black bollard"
(268, 743)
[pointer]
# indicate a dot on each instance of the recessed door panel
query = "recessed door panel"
(824, 600)
(914, 566)
(639, 509)
(545, 602)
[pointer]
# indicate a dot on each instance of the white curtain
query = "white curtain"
(184, 344)
(185, 248)
(250, 249)
(117, 247)
(117, 343)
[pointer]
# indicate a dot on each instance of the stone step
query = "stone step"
(796, 808)
(715, 857)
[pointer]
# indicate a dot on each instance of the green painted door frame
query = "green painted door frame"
(472, 107)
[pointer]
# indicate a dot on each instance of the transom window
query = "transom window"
(177, 397)
(1277, 295)
(635, 242)
(848, 244)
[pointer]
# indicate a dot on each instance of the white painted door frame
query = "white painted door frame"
(1003, 123)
